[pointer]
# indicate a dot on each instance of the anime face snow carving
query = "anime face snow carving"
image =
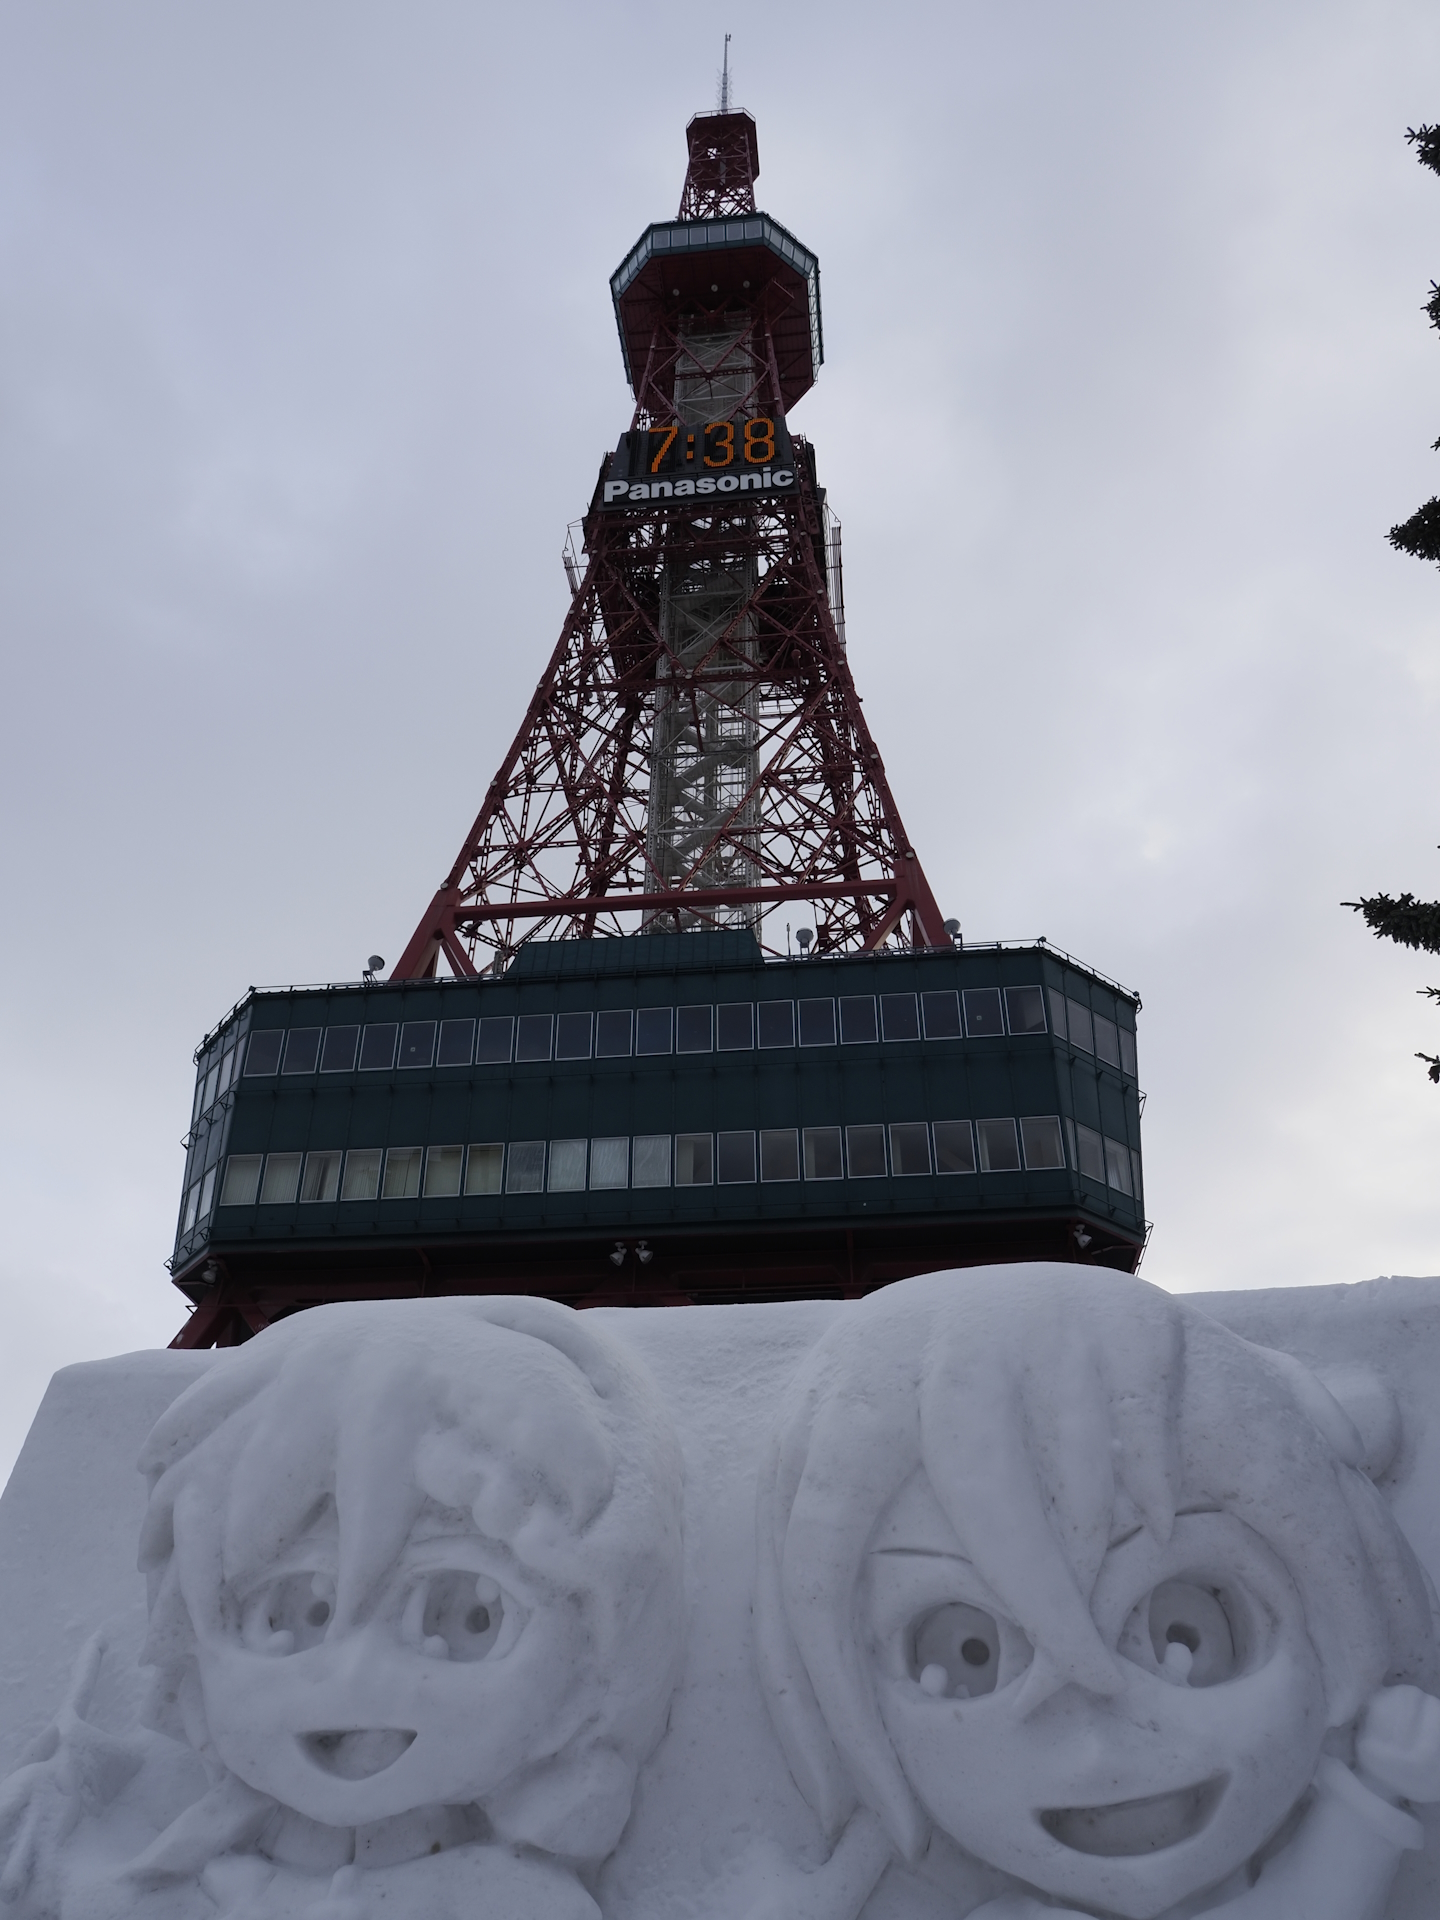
(1084, 1602)
(415, 1598)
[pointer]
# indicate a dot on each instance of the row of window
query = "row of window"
(902, 1150)
(737, 1026)
(733, 1027)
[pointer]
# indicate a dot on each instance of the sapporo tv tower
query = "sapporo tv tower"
(624, 1088)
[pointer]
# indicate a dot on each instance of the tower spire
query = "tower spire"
(725, 79)
(695, 754)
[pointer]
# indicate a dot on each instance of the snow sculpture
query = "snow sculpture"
(415, 1601)
(1072, 1601)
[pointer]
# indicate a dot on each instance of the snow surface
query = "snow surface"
(719, 1830)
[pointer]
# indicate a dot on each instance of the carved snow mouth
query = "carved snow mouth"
(359, 1753)
(1135, 1826)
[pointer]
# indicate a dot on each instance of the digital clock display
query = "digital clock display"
(684, 460)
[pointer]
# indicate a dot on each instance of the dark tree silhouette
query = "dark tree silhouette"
(1420, 534)
(1411, 923)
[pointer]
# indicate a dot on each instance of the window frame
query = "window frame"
(954, 1173)
(327, 1065)
(866, 1127)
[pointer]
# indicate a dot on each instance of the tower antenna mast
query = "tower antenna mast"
(725, 79)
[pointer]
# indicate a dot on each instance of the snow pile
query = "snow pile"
(1069, 1597)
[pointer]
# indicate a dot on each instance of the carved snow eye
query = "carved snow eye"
(1190, 1632)
(291, 1614)
(955, 1652)
(454, 1615)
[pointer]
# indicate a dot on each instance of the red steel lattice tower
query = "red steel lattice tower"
(695, 754)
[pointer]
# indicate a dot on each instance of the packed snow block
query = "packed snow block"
(1005, 1593)
(69, 1528)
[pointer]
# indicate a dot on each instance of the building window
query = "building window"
(417, 1043)
(1127, 1052)
(613, 1034)
(443, 1169)
(532, 1042)
(457, 1043)
(525, 1164)
(775, 1023)
(262, 1055)
(983, 1017)
(823, 1159)
(735, 1027)
(817, 1023)
(693, 1030)
(909, 1148)
(779, 1154)
(1090, 1153)
(1040, 1137)
(242, 1180)
(942, 1015)
(954, 1147)
(899, 1016)
(497, 1035)
(999, 1149)
(1026, 1009)
(1077, 1019)
(1135, 1168)
(484, 1165)
(694, 1160)
(282, 1179)
(567, 1165)
(207, 1191)
(610, 1162)
(1107, 1041)
(377, 1047)
(735, 1159)
(650, 1166)
(1117, 1166)
(302, 1050)
(857, 1019)
(192, 1207)
(652, 1030)
(322, 1177)
(227, 1072)
(402, 1174)
(865, 1152)
(362, 1174)
(573, 1033)
(1057, 1014)
(338, 1053)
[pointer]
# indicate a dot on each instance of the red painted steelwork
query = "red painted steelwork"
(724, 166)
(574, 839)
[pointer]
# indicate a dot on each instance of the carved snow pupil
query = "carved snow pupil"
(461, 1625)
(318, 1613)
(1187, 1619)
(960, 1642)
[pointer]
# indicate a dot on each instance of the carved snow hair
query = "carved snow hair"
(1051, 1408)
(515, 1412)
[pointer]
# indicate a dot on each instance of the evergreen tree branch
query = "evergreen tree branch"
(1410, 922)
(1420, 534)
(1426, 142)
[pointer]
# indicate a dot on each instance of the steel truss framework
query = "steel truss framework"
(676, 772)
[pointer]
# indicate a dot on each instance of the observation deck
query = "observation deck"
(661, 1118)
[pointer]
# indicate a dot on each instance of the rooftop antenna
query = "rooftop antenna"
(725, 79)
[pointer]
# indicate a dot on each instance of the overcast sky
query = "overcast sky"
(307, 359)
